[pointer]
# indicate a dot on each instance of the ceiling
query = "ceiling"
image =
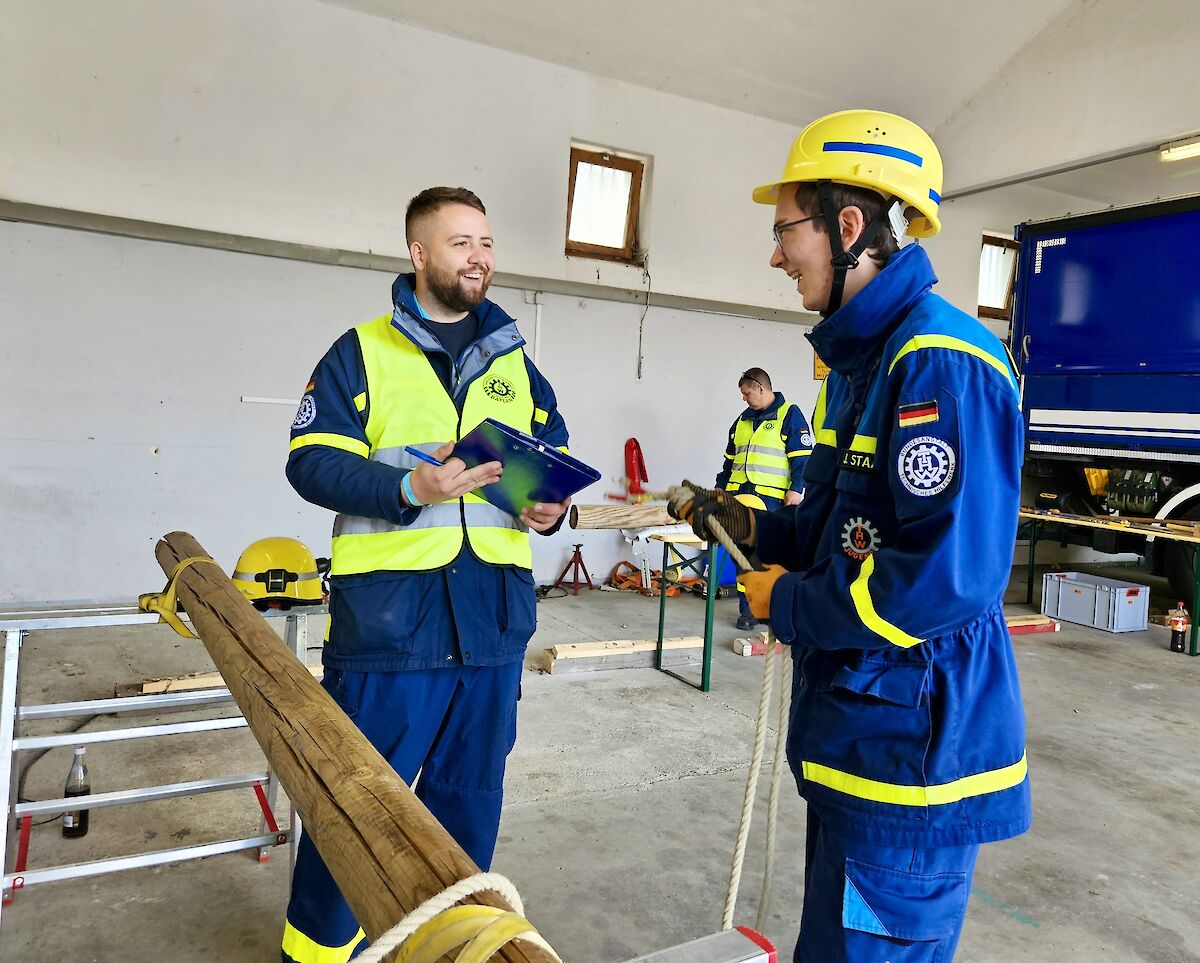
(779, 59)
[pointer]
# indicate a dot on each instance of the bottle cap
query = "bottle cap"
(79, 750)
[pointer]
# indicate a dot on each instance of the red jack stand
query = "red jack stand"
(574, 566)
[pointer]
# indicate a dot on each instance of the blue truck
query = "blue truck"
(1106, 337)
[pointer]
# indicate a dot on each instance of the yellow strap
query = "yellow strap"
(448, 930)
(866, 609)
(978, 784)
(164, 602)
(497, 934)
(304, 950)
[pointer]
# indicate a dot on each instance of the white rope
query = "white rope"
(760, 736)
(781, 729)
(480, 883)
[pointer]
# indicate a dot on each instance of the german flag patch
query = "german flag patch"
(312, 384)
(922, 413)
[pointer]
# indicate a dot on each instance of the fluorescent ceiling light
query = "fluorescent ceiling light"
(1180, 149)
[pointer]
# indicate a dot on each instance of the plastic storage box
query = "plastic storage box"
(1103, 603)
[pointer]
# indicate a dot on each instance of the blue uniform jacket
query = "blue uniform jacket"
(467, 613)
(907, 722)
(794, 432)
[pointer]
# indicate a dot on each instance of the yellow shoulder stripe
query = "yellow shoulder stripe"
(861, 595)
(344, 442)
(919, 341)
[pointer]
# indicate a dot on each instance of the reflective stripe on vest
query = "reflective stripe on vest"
(760, 455)
(410, 406)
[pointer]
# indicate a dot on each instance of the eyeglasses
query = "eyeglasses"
(778, 229)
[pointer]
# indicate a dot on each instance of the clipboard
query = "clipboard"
(533, 470)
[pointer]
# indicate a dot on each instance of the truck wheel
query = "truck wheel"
(1181, 562)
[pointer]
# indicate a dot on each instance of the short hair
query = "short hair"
(756, 376)
(870, 202)
(433, 199)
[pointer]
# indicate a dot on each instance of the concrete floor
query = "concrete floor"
(623, 795)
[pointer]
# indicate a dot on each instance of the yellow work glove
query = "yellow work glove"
(758, 586)
(706, 503)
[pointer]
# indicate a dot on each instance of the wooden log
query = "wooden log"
(620, 516)
(384, 848)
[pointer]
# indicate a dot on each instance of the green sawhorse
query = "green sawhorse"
(673, 544)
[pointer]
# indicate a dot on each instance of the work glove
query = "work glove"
(758, 587)
(706, 503)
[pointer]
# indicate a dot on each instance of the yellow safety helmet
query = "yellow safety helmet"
(280, 572)
(872, 149)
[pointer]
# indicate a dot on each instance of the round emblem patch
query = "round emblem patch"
(926, 465)
(306, 414)
(806, 439)
(859, 538)
(499, 389)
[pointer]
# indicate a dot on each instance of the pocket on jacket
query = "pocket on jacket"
(901, 905)
(902, 684)
(520, 605)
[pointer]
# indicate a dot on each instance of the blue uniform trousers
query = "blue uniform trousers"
(879, 904)
(456, 726)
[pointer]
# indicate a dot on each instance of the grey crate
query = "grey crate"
(1103, 603)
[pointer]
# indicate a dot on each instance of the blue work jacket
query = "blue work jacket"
(468, 612)
(907, 723)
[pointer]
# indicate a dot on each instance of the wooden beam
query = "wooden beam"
(618, 654)
(383, 847)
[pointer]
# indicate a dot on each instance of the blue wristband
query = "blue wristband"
(406, 488)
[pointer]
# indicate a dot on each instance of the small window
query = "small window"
(997, 271)
(603, 196)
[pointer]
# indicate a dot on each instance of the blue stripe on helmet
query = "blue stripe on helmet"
(848, 145)
(935, 196)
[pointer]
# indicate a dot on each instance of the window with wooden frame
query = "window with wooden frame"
(603, 196)
(997, 272)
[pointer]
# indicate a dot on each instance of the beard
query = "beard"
(453, 292)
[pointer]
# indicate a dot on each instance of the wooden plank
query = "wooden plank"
(1157, 530)
(1012, 620)
(586, 650)
(185, 683)
(619, 660)
(384, 849)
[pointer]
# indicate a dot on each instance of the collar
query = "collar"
(849, 339)
(768, 412)
(407, 314)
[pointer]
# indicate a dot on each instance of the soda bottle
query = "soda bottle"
(1180, 624)
(75, 821)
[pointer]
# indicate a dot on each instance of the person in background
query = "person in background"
(764, 460)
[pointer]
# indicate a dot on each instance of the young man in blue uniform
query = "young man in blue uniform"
(764, 460)
(907, 732)
(431, 601)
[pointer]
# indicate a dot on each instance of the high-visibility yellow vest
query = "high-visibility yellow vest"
(760, 456)
(409, 406)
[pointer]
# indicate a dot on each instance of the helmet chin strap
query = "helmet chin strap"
(843, 260)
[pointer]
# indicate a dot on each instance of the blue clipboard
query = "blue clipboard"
(533, 470)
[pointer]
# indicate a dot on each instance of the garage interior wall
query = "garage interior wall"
(129, 357)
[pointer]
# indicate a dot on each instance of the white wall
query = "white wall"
(1104, 76)
(124, 360)
(304, 121)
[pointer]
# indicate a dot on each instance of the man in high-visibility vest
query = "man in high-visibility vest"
(764, 460)
(907, 731)
(431, 596)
